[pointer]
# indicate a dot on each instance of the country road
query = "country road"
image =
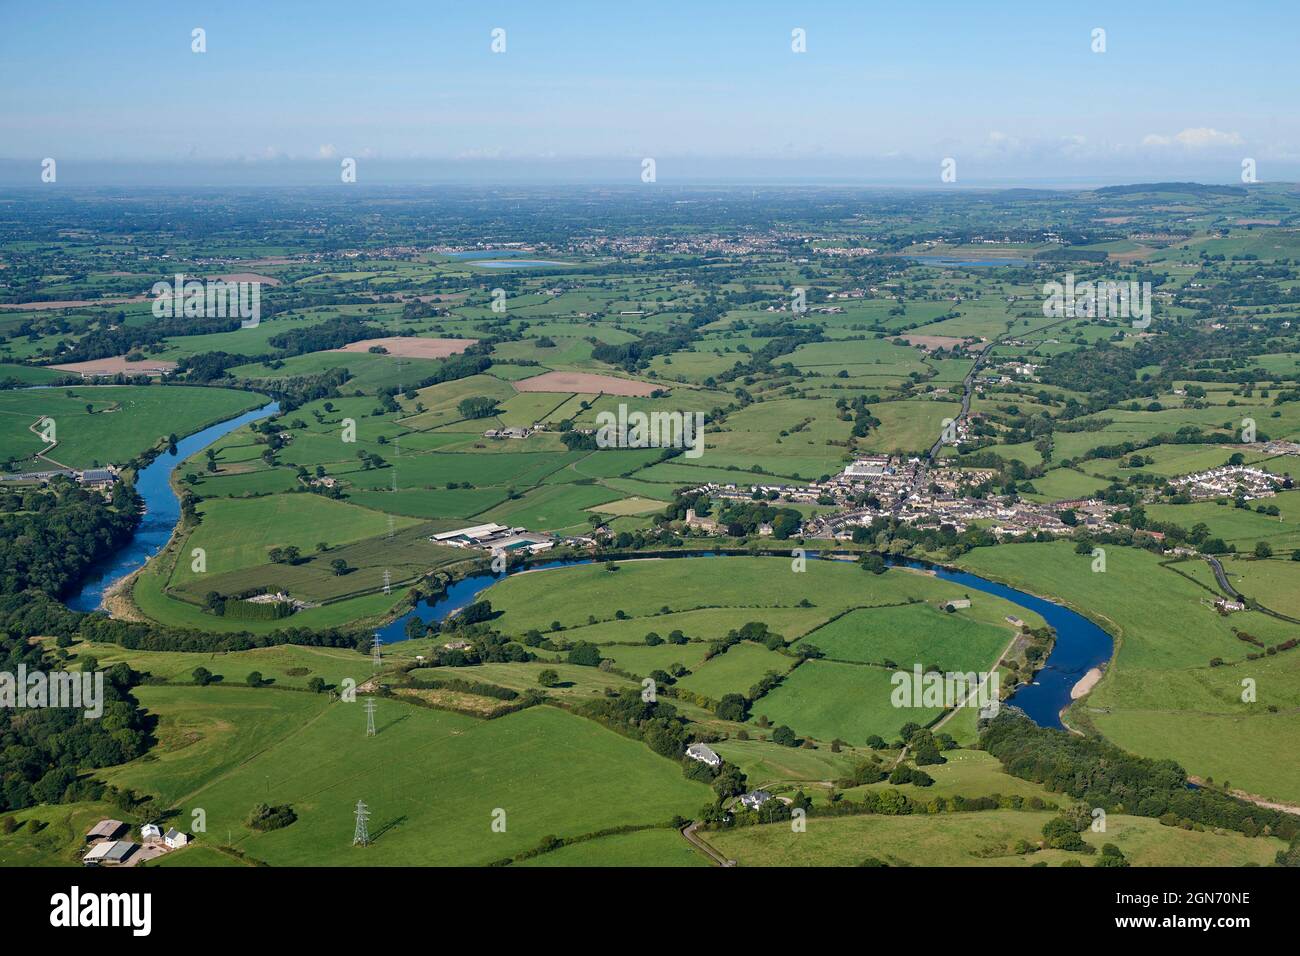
(689, 833)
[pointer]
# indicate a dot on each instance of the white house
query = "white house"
(704, 754)
(175, 839)
(754, 799)
(150, 831)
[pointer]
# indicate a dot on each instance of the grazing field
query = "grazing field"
(912, 634)
(432, 780)
(643, 589)
(1161, 682)
(662, 847)
(239, 533)
(108, 424)
(985, 838)
(736, 671)
(829, 700)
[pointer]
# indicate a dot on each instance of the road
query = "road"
(689, 833)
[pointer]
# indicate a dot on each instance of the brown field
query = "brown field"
(118, 363)
(585, 382)
(71, 303)
(411, 346)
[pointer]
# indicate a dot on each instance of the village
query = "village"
(878, 485)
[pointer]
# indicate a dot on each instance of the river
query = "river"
(162, 510)
(1080, 644)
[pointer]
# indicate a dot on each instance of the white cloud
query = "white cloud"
(327, 151)
(1198, 137)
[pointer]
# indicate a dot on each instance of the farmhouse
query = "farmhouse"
(513, 432)
(704, 754)
(96, 478)
(175, 839)
(754, 799)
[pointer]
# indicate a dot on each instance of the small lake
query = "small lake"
(951, 262)
(162, 510)
(505, 259)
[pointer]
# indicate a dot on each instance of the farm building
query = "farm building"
(150, 831)
(496, 537)
(98, 478)
(109, 851)
(175, 839)
(105, 830)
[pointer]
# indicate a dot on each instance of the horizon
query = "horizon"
(876, 97)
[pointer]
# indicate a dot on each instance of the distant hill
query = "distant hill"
(1197, 189)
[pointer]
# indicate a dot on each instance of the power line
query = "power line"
(361, 837)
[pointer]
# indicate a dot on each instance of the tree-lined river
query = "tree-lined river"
(1080, 644)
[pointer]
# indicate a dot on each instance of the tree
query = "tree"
(784, 736)
(873, 563)
(477, 406)
(316, 685)
(584, 653)
(548, 677)
(1263, 549)
(202, 676)
(255, 679)
(732, 707)
(340, 567)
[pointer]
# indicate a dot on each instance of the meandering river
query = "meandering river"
(1080, 644)
(162, 510)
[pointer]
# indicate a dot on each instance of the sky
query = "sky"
(711, 90)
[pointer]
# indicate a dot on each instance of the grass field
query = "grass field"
(1160, 697)
(123, 421)
(432, 779)
(983, 838)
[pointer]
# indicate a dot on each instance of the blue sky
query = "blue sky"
(711, 90)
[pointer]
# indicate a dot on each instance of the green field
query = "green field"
(432, 779)
(123, 421)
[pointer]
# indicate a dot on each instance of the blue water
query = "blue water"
(162, 511)
(497, 259)
(1080, 644)
(950, 262)
(519, 264)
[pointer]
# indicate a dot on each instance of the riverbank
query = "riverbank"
(1089, 681)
